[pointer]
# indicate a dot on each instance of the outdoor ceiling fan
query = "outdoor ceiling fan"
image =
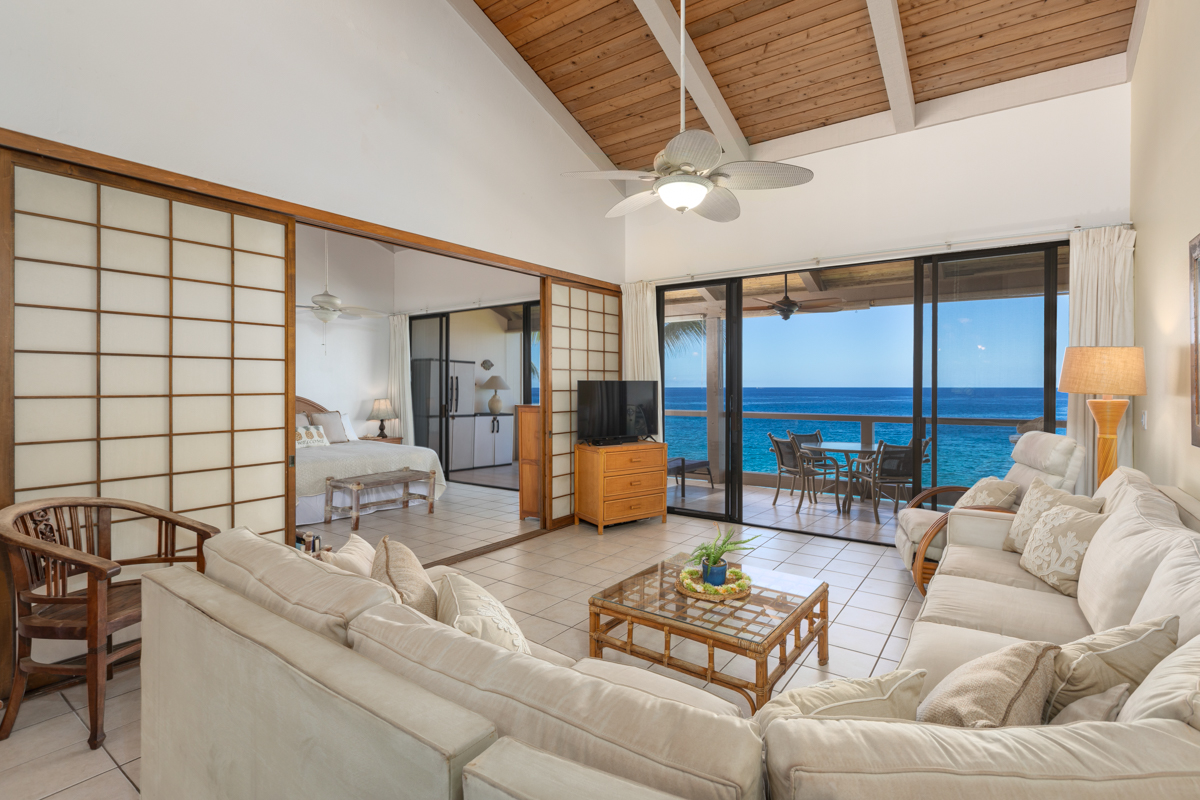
(686, 174)
(328, 307)
(786, 306)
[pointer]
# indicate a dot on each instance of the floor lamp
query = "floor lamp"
(1104, 371)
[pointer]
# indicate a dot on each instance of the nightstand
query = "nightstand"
(388, 440)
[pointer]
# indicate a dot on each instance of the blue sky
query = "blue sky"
(983, 343)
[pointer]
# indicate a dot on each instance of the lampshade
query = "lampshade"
(494, 382)
(1103, 370)
(683, 192)
(382, 410)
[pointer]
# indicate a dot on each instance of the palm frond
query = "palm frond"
(680, 337)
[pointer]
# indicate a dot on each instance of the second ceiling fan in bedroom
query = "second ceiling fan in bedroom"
(688, 175)
(328, 307)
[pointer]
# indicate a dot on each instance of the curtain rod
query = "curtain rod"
(894, 254)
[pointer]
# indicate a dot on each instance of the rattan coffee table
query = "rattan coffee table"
(780, 603)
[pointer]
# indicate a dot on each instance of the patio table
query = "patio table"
(848, 450)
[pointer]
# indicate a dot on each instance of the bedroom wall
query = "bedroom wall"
(1166, 213)
(351, 370)
(478, 335)
(1047, 166)
(392, 112)
(428, 282)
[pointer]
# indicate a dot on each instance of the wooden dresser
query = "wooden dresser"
(620, 483)
(529, 459)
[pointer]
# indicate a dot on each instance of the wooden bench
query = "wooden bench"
(356, 484)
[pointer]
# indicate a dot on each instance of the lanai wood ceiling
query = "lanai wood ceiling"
(786, 66)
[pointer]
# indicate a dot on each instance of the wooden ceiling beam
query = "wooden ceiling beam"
(660, 15)
(893, 59)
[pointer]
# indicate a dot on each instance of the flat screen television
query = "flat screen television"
(617, 411)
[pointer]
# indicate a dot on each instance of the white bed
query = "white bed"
(360, 457)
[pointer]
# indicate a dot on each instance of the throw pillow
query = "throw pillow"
(891, 696)
(1170, 691)
(331, 423)
(1039, 499)
(399, 567)
(310, 436)
(1007, 687)
(348, 427)
(990, 491)
(464, 605)
(1102, 707)
(1096, 663)
(355, 556)
(1056, 546)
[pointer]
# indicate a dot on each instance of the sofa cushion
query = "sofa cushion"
(1175, 589)
(614, 728)
(311, 593)
(1057, 546)
(356, 555)
(644, 680)
(1117, 485)
(1007, 610)
(1139, 532)
(1054, 458)
(549, 655)
(940, 649)
(1098, 662)
(1039, 499)
(468, 607)
(1170, 691)
(1007, 687)
(911, 524)
(1102, 707)
(891, 696)
(986, 564)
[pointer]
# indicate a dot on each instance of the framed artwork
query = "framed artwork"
(1194, 287)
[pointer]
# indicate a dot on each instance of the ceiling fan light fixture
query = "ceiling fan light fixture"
(325, 314)
(683, 192)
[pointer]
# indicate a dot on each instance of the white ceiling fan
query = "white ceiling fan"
(328, 307)
(686, 174)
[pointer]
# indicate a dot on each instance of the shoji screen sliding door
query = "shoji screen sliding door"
(585, 344)
(152, 348)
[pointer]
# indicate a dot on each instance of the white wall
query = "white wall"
(481, 334)
(351, 370)
(428, 282)
(391, 111)
(1047, 166)
(1166, 213)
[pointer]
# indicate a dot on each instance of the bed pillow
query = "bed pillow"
(348, 427)
(310, 436)
(331, 422)
(356, 555)
(302, 420)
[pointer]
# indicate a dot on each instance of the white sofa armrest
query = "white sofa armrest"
(823, 757)
(513, 770)
(978, 528)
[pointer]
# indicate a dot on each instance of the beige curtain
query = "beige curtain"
(400, 378)
(639, 338)
(1101, 316)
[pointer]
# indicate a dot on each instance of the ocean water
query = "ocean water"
(964, 453)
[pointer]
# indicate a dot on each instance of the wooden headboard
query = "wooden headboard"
(306, 406)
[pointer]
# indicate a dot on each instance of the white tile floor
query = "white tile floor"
(546, 582)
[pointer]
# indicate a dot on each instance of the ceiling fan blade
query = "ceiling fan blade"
(758, 308)
(811, 305)
(359, 312)
(344, 315)
(632, 203)
(696, 147)
(720, 206)
(614, 175)
(771, 303)
(830, 310)
(759, 175)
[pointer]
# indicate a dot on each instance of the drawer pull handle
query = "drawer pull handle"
(635, 483)
(635, 507)
(636, 459)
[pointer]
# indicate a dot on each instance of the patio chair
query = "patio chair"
(52, 544)
(787, 462)
(815, 467)
(680, 468)
(890, 466)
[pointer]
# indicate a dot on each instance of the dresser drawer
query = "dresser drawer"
(635, 506)
(636, 482)
(633, 459)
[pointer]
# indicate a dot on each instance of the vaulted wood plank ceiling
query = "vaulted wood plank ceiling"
(787, 66)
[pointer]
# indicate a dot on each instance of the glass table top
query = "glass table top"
(774, 596)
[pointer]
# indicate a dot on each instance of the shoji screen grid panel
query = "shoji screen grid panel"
(585, 344)
(151, 341)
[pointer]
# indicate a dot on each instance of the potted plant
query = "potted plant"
(711, 556)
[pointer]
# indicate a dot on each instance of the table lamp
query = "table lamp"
(382, 410)
(1104, 371)
(495, 383)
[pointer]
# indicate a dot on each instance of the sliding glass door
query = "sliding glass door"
(430, 337)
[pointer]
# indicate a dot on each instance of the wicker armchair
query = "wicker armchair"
(52, 541)
(890, 466)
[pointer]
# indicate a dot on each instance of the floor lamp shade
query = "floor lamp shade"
(1105, 371)
(382, 410)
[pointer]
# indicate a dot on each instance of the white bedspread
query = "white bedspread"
(346, 460)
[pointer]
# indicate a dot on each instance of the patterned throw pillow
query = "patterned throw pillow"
(990, 491)
(1007, 687)
(311, 436)
(1056, 546)
(1038, 500)
(464, 605)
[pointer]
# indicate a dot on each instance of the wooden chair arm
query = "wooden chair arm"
(101, 568)
(934, 529)
(932, 492)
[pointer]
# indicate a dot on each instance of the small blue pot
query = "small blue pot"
(714, 575)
